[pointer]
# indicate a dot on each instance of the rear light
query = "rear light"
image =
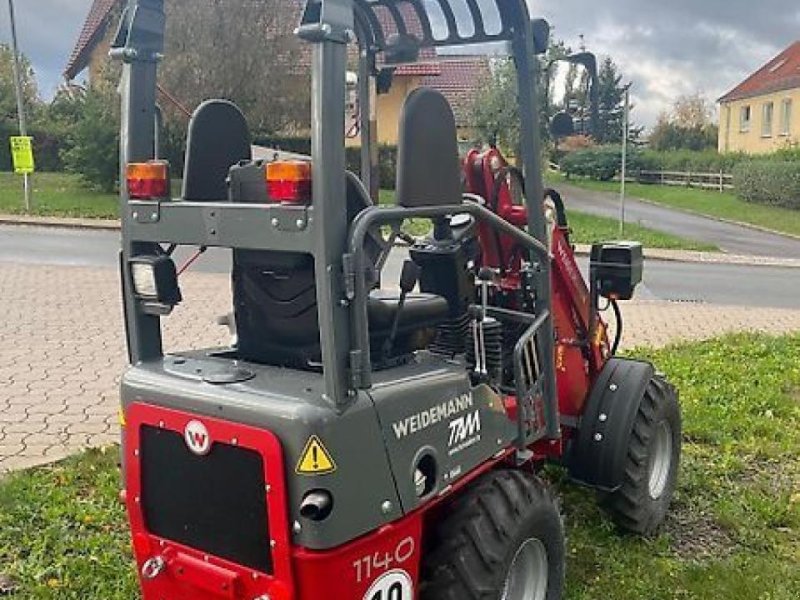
(289, 181)
(148, 181)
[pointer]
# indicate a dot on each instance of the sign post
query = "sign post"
(23, 129)
(626, 124)
(22, 154)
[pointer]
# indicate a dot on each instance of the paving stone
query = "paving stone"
(63, 354)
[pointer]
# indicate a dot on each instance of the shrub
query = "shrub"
(770, 181)
(94, 141)
(707, 161)
(602, 163)
(387, 161)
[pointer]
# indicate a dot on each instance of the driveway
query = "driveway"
(730, 238)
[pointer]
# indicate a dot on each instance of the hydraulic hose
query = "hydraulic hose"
(618, 334)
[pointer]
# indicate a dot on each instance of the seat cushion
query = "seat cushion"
(419, 311)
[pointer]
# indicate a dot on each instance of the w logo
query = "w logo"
(196, 437)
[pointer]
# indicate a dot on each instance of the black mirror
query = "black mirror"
(562, 125)
(401, 48)
(541, 36)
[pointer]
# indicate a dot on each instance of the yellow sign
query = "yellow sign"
(22, 154)
(315, 459)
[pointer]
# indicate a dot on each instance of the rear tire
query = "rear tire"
(640, 505)
(503, 540)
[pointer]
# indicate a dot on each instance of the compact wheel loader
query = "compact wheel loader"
(357, 443)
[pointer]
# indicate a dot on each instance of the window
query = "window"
(767, 118)
(744, 119)
(786, 117)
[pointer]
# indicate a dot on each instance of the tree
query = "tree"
(92, 139)
(689, 126)
(611, 109)
(8, 99)
(242, 51)
(693, 111)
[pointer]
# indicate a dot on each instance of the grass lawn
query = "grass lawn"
(56, 194)
(734, 531)
(706, 202)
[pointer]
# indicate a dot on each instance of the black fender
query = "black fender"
(598, 454)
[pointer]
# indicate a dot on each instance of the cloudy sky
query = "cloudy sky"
(666, 47)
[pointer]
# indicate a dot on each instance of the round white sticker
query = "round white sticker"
(197, 438)
(394, 585)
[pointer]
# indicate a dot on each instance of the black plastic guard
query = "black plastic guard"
(598, 454)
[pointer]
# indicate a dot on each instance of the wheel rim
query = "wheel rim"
(527, 577)
(660, 460)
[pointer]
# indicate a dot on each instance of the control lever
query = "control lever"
(408, 281)
(485, 279)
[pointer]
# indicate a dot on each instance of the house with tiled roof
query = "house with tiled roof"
(458, 78)
(762, 114)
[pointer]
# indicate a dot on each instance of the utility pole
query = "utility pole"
(624, 174)
(23, 127)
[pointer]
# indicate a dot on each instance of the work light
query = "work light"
(155, 282)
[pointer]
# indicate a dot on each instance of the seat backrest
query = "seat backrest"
(218, 139)
(428, 168)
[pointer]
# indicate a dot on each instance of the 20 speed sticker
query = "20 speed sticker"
(394, 585)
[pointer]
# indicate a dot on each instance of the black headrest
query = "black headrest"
(428, 168)
(218, 138)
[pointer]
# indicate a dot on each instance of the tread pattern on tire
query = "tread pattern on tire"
(474, 541)
(631, 506)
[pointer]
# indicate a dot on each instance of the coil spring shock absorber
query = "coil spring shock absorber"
(485, 352)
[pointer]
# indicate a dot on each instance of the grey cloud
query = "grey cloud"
(667, 47)
(47, 31)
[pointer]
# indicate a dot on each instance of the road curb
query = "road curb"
(708, 258)
(681, 256)
(60, 222)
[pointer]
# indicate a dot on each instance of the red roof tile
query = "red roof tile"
(779, 74)
(461, 80)
(92, 32)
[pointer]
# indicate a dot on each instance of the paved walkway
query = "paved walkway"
(61, 348)
(729, 237)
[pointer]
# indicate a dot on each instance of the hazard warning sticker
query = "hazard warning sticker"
(315, 459)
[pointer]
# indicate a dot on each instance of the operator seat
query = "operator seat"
(274, 293)
(275, 303)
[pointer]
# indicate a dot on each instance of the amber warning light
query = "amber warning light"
(289, 181)
(148, 181)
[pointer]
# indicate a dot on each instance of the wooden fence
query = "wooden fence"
(712, 181)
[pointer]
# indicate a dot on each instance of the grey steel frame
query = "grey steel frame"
(329, 25)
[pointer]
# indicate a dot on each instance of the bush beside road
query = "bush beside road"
(734, 531)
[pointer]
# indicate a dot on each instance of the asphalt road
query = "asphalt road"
(690, 282)
(728, 237)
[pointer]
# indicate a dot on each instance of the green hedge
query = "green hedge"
(772, 181)
(602, 163)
